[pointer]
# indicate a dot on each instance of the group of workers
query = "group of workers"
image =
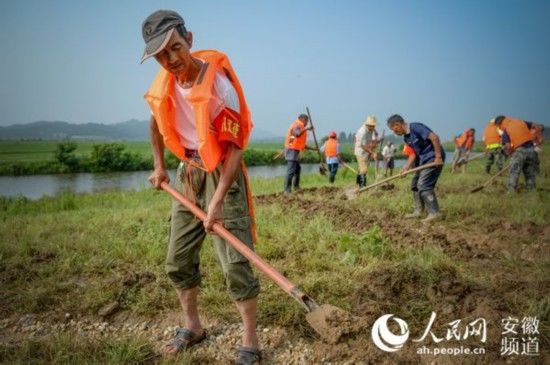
(503, 137)
(199, 113)
(423, 144)
(366, 146)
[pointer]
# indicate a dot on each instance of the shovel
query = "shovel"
(322, 167)
(320, 317)
(476, 156)
(352, 193)
(378, 153)
(350, 168)
(471, 158)
(488, 182)
(277, 155)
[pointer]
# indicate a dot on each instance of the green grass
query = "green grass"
(36, 151)
(38, 157)
(40, 151)
(73, 253)
(65, 349)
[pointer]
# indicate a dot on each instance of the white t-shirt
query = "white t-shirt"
(362, 138)
(186, 124)
(388, 151)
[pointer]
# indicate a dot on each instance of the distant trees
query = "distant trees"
(344, 137)
(104, 157)
(113, 157)
(66, 157)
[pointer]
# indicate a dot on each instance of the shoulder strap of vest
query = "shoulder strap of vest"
(160, 85)
(215, 61)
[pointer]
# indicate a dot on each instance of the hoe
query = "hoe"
(322, 318)
(352, 193)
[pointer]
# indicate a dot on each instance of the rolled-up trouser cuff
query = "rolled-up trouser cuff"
(251, 291)
(187, 283)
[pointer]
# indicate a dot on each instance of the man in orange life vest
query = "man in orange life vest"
(200, 114)
(295, 142)
(493, 147)
(331, 148)
(463, 147)
(518, 142)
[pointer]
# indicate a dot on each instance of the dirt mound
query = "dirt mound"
(386, 187)
(409, 292)
(334, 323)
(327, 192)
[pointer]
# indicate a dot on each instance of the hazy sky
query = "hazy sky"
(448, 64)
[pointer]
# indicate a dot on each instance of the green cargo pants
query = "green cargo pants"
(187, 233)
(524, 159)
(495, 155)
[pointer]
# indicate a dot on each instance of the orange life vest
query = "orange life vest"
(490, 135)
(161, 100)
(293, 142)
(536, 132)
(465, 140)
(517, 131)
(331, 147)
(408, 150)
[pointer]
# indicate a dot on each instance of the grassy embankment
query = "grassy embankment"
(75, 253)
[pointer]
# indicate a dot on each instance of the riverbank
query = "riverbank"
(20, 158)
(38, 186)
(62, 157)
(82, 275)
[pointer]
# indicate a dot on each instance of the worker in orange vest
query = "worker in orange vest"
(518, 142)
(408, 152)
(331, 148)
(493, 147)
(463, 148)
(200, 114)
(295, 143)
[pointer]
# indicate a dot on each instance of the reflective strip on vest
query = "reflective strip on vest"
(493, 146)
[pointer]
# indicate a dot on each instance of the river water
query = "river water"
(37, 186)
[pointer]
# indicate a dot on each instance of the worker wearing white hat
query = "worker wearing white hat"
(366, 140)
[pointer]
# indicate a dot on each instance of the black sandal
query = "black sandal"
(184, 339)
(248, 356)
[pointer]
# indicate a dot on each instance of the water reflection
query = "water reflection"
(36, 186)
